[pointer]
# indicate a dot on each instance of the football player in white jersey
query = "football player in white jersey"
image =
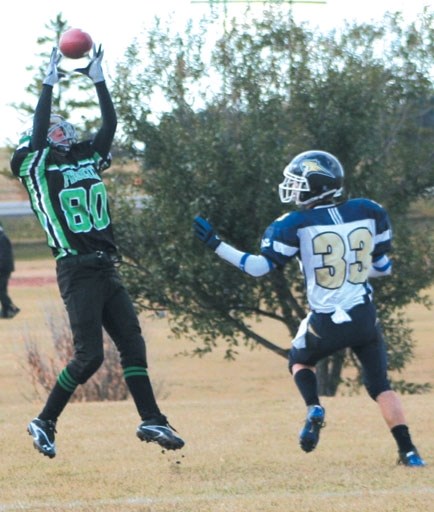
(340, 244)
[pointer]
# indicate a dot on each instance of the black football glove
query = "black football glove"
(205, 232)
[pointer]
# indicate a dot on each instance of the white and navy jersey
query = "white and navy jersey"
(335, 245)
(68, 196)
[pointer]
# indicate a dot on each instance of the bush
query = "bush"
(106, 384)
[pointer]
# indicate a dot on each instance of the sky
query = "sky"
(116, 26)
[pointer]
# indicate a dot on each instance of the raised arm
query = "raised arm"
(41, 118)
(104, 137)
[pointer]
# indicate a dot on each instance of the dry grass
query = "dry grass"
(240, 421)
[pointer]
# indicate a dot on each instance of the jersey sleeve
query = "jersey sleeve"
(383, 231)
(25, 161)
(101, 162)
(280, 241)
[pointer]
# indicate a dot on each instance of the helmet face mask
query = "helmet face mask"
(312, 177)
(292, 187)
(61, 134)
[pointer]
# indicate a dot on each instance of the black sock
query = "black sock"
(305, 380)
(403, 438)
(143, 395)
(56, 402)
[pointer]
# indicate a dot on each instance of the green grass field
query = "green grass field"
(240, 421)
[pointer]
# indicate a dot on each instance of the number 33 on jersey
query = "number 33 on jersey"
(337, 244)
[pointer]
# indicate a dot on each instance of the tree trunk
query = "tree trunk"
(328, 372)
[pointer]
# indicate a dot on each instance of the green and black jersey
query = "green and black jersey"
(68, 196)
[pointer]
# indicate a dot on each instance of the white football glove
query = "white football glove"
(53, 75)
(94, 70)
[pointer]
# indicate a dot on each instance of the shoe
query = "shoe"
(43, 436)
(156, 429)
(11, 312)
(309, 435)
(411, 459)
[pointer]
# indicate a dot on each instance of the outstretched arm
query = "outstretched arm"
(41, 119)
(104, 137)
(254, 265)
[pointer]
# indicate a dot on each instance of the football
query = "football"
(74, 43)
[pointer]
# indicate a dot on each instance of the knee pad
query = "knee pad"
(82, 369)
(376, 389)
(134, 353)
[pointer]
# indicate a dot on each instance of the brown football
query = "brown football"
(74, 43)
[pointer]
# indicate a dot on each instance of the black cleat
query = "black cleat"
(309, 435)
(156, 429)
(11, 311)
(43, 436)
(411, 459)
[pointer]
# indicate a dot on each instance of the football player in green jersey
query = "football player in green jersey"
(67, 194)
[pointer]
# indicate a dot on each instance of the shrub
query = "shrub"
(106, 384)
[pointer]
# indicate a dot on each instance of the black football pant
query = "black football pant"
(362, 335)
(95, 298)
(5, 300)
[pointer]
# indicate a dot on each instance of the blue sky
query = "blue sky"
(115, 28)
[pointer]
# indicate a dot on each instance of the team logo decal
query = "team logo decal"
(308, 166)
